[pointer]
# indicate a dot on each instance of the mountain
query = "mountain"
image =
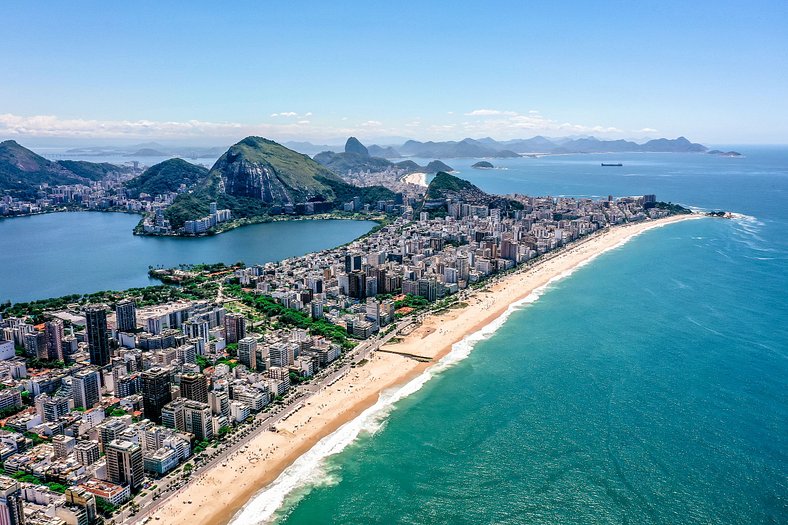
(166, 177)
(386, 152)
(257, 176)
(483, 165)
(464, 148)
(491, 148)
(356, 158)
(22, 170)
(679, 145)
(147, 152)
(354, 146)
(445, 186)
(435, 166)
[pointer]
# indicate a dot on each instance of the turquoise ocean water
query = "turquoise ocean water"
(649, 386)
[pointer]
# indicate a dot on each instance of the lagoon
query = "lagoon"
(81, 252)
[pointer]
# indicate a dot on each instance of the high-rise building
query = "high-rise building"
(86, 452)
(97, 336)
(124, 463)
(194, 387)
(234, 327)
(247, 352)
(11, 507)
(80, 497)
(155, 392)
(352, 263)
(86, 388)
(54, 336)
(357, 285)
(51, 408)
(126, 316)
(198, 419)
(36, 345)
(62, 445)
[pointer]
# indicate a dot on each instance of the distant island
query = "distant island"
(483, 165)
(724, 153)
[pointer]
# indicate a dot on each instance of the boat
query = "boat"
(612, 164)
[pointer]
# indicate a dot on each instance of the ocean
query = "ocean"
(648, 386)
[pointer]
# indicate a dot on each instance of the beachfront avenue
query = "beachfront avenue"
(126, 402)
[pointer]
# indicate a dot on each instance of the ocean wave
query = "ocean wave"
(310, 470)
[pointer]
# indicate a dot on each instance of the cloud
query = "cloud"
(494, 123)
(646, 130)
(511, 124)
(488, 113)
(287, 114)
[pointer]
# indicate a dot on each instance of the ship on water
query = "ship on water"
(604, 164)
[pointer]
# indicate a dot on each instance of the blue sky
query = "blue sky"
(716, 72)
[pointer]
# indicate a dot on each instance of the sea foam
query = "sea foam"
(310, 469)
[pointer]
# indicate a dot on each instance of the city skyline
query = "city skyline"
(209, 76)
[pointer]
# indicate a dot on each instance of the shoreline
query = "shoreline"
(328, 413)
(419, 179)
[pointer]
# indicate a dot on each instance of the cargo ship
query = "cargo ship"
(612, 164)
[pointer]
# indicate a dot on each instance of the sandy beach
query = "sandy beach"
(419, 179)
(214, 496)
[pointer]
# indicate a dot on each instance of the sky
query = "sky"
(207, 73)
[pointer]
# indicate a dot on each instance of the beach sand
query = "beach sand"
(217, 494)
(419, 179)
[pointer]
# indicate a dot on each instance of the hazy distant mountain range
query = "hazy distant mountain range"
(491, 148)
(466, 148)
(357, 157)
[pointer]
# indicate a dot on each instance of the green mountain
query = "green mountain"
(256, 177)
(22, 170)
(166, 177)
(445, 186)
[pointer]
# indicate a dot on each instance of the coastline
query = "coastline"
(272, 456)
(419, 179)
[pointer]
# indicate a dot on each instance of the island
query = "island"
(483, 165)
(724, 153)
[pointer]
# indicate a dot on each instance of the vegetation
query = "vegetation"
(290, 317)
(105, 508)
(167, 177)
(412, 301)
(676, 209)
(91, 170)
(10, 411)
(234, 183)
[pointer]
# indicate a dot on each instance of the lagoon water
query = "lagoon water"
(650, 386)
(64, 253)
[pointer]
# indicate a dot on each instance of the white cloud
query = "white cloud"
(500, 125)
(488, 113)
(286, 114)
